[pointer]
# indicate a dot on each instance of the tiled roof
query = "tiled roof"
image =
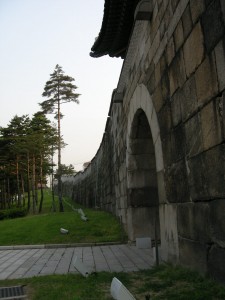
(116, 28)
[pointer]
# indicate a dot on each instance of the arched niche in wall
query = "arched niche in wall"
(144, 161)
(143, 199)
(148, 211)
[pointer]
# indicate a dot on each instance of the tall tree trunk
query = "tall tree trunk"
(28, 181)
(41, 180)
(9, 193)
(33, 184)
(18, 198)
(23, 192)
(52, 184)
(61, 209)
(4, 194)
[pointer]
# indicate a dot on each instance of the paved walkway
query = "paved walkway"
(23, 263)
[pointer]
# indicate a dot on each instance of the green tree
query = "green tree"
(14, 137)
(59, 89)
(45, 139)
(65, 170)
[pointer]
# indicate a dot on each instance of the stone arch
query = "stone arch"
(148, 212)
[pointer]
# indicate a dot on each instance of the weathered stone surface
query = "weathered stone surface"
(215, 164)
(187, 22)
(206, 176)
(178, 143)
(194, 50)
(176, 108)
(141, 178)
(167, 145)
(164, 117)
(193, 255)
(141, 161)
(144, 197)
(174, 4)
(170, 51)
(197, 8)
(216, 263)
(141, 146)
(193, 133)
(197, 179)
(169, 236)
(211, 127)
(188, 98)
(193, 221)
(179, 36)
(213, 25)
(165, 87)
(177, 73)
(176, 183)
(220, 63)
(217, 221)
(157, 98)
(161, 187)
(139, 216)
(206, 80)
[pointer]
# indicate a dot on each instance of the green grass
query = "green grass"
(45, 228)
(164, 282)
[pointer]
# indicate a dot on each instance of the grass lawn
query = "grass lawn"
(45, 228)
(164, 282)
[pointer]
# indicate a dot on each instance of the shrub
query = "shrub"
(13, 213)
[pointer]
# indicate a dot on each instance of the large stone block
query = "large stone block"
(187, 22)
(167, 150)
(193, 221)
(194, 42)
(216, 263)
(197, 8)
(217, 221)
(206, 174)
(169, 235)
(197, 178)
(213, 25)
(206, 80)
(161, 187)
(176, 183)
(164, 118)
(157, 98)
(165, 87)
(193, 133)
(177, 74)
(220, 63)
(178, 143)
(176, 108)
(141, 178)
(179, 36)
(170, 51)
(188, 98)
(141, 161)
(211, 125)
(193, 255)
(215, 175)
(144, 197)
(141, 222)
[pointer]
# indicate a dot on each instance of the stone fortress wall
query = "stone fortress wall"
(161, 164)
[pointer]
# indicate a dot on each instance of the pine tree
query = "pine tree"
(58, 90)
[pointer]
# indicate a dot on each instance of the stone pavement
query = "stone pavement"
(29, 262)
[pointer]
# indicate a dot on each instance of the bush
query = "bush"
(13, 213)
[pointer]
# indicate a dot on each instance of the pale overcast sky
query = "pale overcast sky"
(35, 35)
